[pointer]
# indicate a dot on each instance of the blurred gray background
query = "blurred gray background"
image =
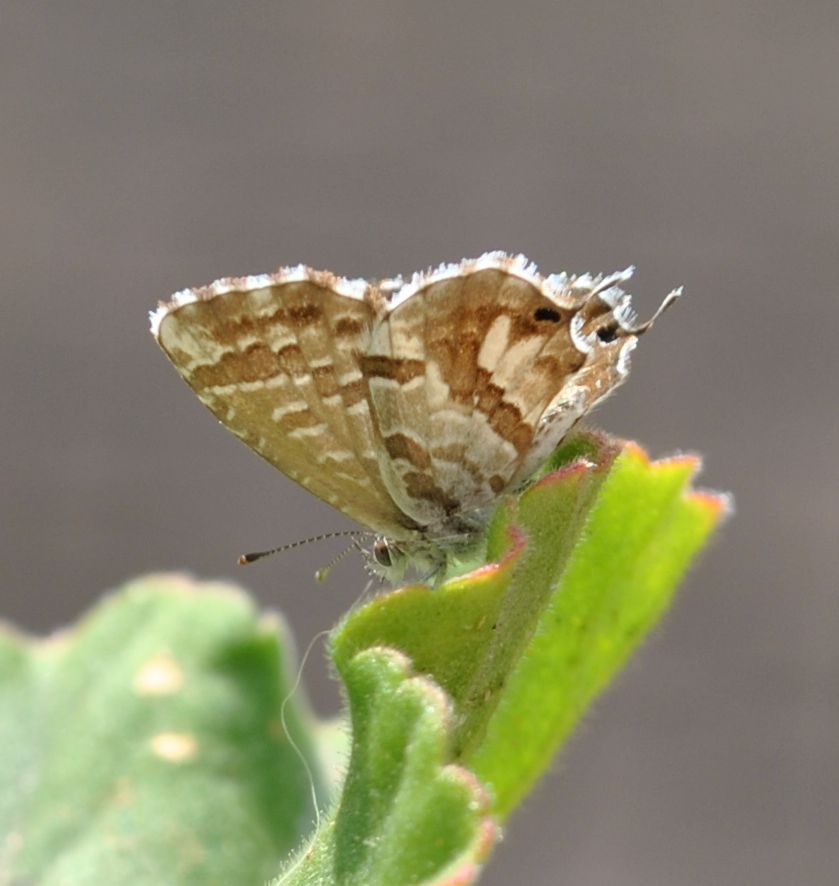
(147, 147)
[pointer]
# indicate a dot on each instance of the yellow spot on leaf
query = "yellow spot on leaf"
(175, 747)
(160, 675)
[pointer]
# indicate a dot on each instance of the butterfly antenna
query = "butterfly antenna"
(245, 559)
(669, 299)
(323, 573)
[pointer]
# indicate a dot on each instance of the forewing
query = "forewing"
(602, 338)
(277, 361)
(475, 375)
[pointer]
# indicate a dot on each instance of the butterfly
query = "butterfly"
(409, 405)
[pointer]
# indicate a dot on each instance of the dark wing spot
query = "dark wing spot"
(547, 314)
(608, 333)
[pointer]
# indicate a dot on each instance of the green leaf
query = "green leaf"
(146, 745)
(581, 566)
(405, 816)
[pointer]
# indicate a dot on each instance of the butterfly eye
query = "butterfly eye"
(381, 553)
(607, 334)
(547, 314)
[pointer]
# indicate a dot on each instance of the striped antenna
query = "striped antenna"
(323, 573)
(245, 559)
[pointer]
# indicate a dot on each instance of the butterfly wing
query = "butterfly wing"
(276, 359)
(476, 374)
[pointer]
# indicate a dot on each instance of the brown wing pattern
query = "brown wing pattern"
(476, 375)
(279, 366)
(406, 405)
(461, 371)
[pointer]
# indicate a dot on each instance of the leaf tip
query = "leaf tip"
(718, 505)
(575, 470)
(690, 462)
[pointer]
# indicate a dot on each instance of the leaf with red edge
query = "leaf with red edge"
(582, 565)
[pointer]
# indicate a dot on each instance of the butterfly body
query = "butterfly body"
(410, 406)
